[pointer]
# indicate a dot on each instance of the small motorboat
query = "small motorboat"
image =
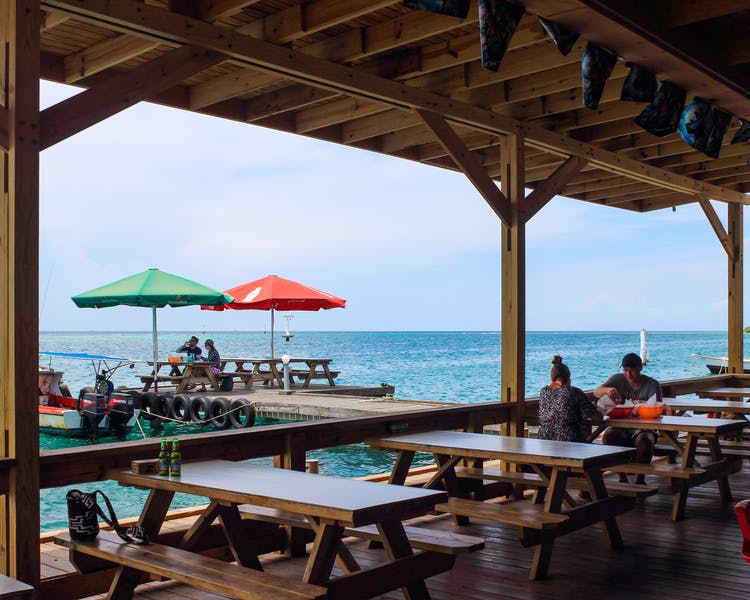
(718, 365)
(98, 411)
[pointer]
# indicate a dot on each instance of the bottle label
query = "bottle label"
(175, 465)
(163, 465)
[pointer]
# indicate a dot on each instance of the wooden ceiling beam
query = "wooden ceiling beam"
(337, 112)
(104, 55)
(163, 25)
(552, 186)
(51, 18)
(678, 13)
(214, 10)
(291, 98)
(230, 85)
(465, 160)
(122, 91)
(718, 228)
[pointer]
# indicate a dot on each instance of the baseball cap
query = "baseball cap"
(632, 360)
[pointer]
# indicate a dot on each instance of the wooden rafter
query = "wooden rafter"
(104, 55)
(228, 86)
(213, 10)
(552, 186)
(51, 19)
(678, 13)
(465, 161)
(294, 65)
(718, 228)
(122, 91)
(290, 98)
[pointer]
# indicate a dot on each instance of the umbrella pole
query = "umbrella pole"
(272, 332)
(156, 348)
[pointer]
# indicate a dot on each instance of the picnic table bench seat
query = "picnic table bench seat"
(160, 378)
(302, 374)
(196, 570)
(419, 537)
(533, 480)
(521, 514)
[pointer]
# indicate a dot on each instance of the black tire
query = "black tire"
(65, 390)
(198, 409)
(161, 408)
(179, 408)
(218, 412)
(242, 414)
(105, 387)
(148, 405)
(137, 400)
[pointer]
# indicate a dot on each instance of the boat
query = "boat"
(288, 336)
(98, 411)
(718, 364)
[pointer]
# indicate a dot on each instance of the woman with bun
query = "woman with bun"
(564, 411)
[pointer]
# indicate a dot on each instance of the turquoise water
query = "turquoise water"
(447, 366)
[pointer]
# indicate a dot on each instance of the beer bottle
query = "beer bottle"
(164, 457)
(175, 460)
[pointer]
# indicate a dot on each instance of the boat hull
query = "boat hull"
(718, 365)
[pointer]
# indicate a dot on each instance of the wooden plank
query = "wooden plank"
(528, 515)
(104, 55)
(301, 67)
(213, 10)
(735, 350)
(20, 23)
(465, 160)
(122, 91)
(718, 228)
(3, 129)
(553, 185)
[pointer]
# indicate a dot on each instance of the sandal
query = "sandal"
(190, 387)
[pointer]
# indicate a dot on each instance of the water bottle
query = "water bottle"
(164, 457)
(175, 460)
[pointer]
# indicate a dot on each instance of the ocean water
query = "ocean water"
(441, 366)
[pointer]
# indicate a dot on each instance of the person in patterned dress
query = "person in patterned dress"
(564, 411)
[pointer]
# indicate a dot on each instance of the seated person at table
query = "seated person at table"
(564, 410)
(632, 385)
(212, 357)
(191, 347)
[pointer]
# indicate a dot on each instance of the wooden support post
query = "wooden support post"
(513, 299)
(19, 291)
(734, 289)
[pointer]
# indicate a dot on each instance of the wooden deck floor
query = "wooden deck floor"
(695, 559)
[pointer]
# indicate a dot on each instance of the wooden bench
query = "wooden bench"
(521, 514)
(193, 569)
(12, 589)
(148, 380)
(533, 480)
(658, 469)
(445, 542)
(303, 374)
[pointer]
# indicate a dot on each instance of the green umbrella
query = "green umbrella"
(154, 289)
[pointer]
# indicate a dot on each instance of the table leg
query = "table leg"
(397, 546)
(183, 383)
(599, 492)
(242, 547)
(401, 468)
(151, 519)
(344, 558)
(277, 375)
(688, 461)
(323, 553)
(553, 503)
(327, 372)
(725, 491)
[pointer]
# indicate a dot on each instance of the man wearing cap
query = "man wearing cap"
(191, 347)
(632, 385)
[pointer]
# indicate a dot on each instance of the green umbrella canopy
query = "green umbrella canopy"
(152, 288)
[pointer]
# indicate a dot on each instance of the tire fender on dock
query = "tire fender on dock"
(218, 412)
(148, 405)
(179, 408)
(198, 409)
(241, 413)
(161, 406)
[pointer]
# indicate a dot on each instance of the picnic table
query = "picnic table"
(270, 370)
(540, 520)
(688, 472)
(180, 374)
(725, 393)
(328, 504)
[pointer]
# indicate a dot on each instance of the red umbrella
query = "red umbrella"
(276, 293)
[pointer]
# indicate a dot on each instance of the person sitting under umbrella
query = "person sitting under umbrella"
(191, 347)
(214, 358)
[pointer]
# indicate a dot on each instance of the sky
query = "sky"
(410, 247)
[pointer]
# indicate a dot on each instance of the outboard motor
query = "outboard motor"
(93, 409)
(121, 409)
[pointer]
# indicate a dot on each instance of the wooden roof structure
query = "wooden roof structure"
(379, 76)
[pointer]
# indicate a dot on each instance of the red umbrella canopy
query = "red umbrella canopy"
(274, 292)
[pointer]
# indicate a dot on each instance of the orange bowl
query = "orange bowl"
(650, 412)
(620, 412)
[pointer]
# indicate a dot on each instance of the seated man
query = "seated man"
(191, 347)
(631, 385)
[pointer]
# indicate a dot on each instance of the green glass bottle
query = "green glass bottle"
(164, 457)
(175, 460)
